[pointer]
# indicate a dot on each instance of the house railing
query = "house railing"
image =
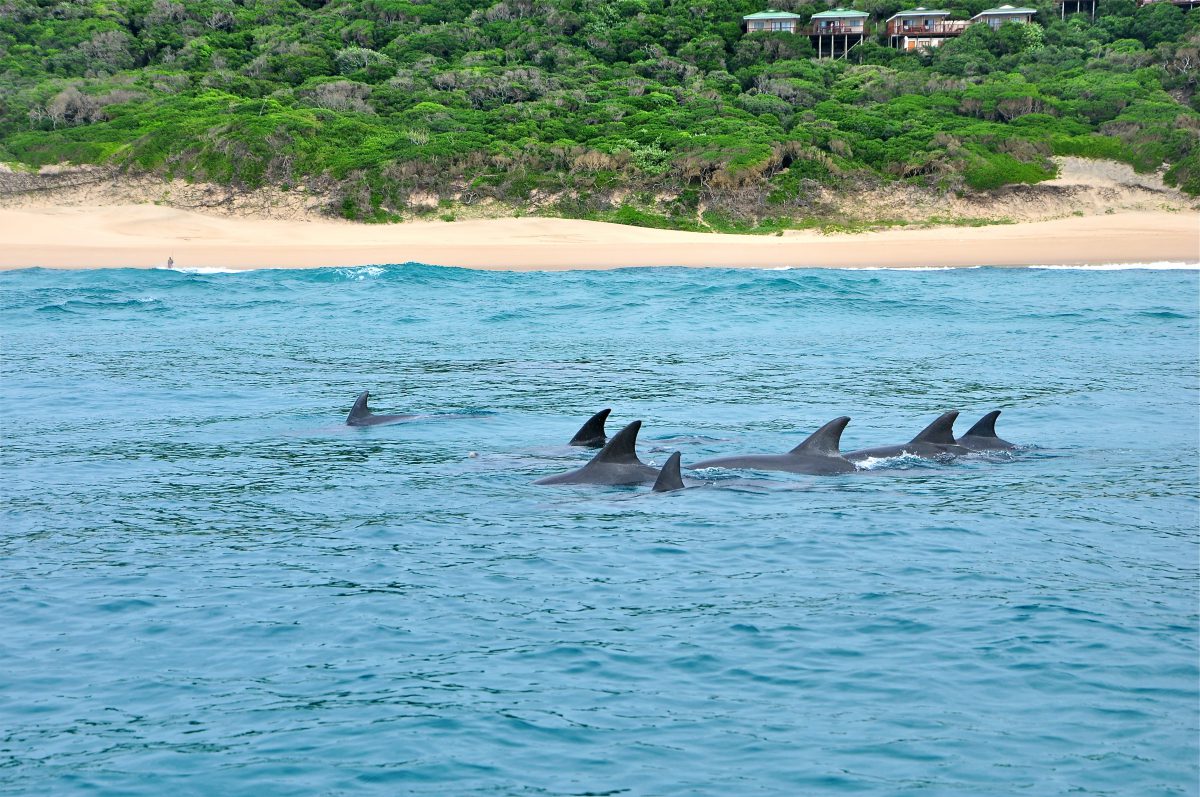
(821, 30)
(948, 27)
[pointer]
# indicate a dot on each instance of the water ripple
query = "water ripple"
(213, 586)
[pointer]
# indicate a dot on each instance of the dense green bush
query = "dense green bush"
(519, 99)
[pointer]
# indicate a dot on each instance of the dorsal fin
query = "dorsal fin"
(359, 410)
(985, 426)
(620, 449)
(940, 432)
(592, 432)
(825, 441)
(669, 477)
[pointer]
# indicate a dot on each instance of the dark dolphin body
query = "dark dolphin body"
(817, 455)
(361, 415)
(669, 478)
(617, 463)
(936, 441)
(982, 436)
(591, 434)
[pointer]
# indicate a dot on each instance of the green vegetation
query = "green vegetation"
(650, 112)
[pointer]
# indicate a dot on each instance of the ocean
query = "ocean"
(212, 585)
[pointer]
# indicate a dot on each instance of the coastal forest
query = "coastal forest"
(654, 112)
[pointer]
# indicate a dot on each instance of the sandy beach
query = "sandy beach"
(144, 236)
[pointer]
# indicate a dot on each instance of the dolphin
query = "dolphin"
(616, 463)
(936, 441)
(591, 434)
(982, 436)
(361, 415)
(669, 478)
(817, 455)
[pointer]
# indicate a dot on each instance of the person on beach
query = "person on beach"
(170, 262)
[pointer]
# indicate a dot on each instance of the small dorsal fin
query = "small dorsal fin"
(985, 426)
(825, 441)
(669, 477)
(940, 432)
(620, 449)
(359, 410)
(592, 432)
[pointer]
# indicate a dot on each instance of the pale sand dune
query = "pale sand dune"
(146, 235)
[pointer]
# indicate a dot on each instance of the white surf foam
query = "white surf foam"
(360, 272)
(917, 268)
(200, 270)
(1161, 265)
(870, 463)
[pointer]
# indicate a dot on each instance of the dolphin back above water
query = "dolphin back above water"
(361, 415)
(669, 478)
(982, 436)
(616, 463)
(817, 455)
(591, 434)
(935, 441)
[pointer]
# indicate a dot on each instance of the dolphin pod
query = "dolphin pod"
(819, 454)
(617, 462)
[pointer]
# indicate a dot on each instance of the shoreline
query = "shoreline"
(144, 236)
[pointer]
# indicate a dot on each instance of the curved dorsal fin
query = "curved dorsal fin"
(825, 441)
(620, 449)
(669, 477)
(985, 426)
(940, 432)
(592, 432)
(359, 410)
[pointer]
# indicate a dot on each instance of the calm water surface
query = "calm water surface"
(212, 586)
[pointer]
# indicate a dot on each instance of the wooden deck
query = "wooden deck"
(836, 30)
(947, 27)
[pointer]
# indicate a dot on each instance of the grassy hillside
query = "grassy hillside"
(604, 109)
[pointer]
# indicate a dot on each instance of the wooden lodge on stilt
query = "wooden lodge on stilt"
(1068, 7)
(922, 28)
(834, 33)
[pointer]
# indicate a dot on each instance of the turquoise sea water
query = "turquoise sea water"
(212, 586)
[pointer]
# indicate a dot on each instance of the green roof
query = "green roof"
(1007, 10)
(920, 12)
(840, 13)
(771, 13)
